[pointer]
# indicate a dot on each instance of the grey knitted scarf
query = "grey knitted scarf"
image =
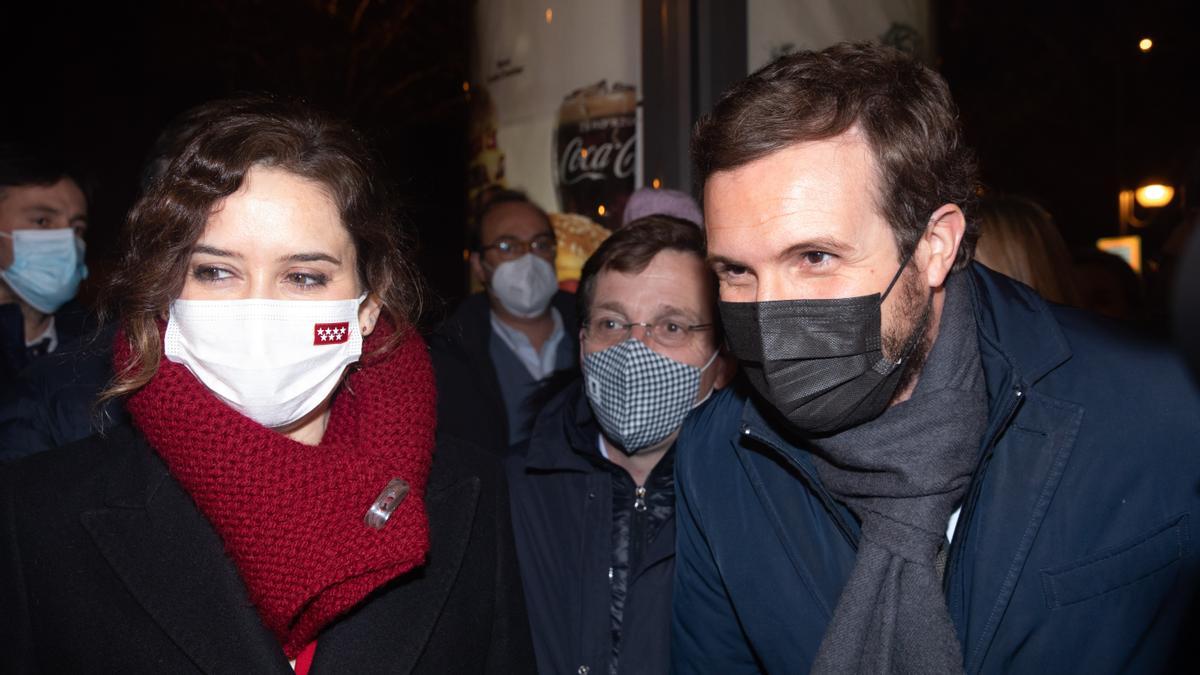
(902, 474)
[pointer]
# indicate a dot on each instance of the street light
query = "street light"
(1155, 195)
(1148, 196)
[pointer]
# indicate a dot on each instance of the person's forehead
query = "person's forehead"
(514, 219)
(64, 195)
(274, 208)
(811, 175)
(807, 190)
(673, 280)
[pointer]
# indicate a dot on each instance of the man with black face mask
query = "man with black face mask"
(930, 470)
(593, 496)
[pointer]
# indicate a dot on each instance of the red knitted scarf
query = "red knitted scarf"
(291, 515)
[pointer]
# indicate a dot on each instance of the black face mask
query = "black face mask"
(820, 363)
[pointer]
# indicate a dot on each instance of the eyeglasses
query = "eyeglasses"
(509, 249)
(606, 332)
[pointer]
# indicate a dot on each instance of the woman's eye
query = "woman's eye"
(211, 273)
(307, 279)
(608, 324)
(672, 327)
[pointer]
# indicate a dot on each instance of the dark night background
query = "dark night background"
(1056, 97)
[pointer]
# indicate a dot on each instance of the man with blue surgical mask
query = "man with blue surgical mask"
(495, 354)
(43, 215)
(593, 494)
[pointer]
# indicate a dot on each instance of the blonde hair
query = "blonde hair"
(1018, 238)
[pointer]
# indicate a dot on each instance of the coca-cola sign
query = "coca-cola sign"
(596, 151)
(595, 162)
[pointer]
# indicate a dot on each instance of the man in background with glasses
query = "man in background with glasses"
(497, 351)
(593, 496)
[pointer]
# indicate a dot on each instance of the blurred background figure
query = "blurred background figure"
(53, 401)
(663, 202)
(1108, 285)
(1019, 239)
(501, 345)
(1187, 304)
(43, 217)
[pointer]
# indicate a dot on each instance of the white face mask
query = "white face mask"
(274, 361)
(525, 286)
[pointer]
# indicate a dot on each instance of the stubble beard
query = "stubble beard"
(911, 340)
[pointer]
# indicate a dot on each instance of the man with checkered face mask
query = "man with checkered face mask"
(593, 496)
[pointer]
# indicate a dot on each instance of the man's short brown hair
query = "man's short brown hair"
(903, 108)
(490, 203)
(630, 249)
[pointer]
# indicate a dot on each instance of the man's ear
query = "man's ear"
(477, 272)
(368, 314)
(941, 240)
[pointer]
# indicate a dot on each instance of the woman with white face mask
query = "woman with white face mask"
(278, 502)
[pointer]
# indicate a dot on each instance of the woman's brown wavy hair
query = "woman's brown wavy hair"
(208, 164)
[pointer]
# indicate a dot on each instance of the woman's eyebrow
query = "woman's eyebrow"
(310, 257)
(214, 251)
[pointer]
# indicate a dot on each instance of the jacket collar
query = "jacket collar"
(564, 434)
(1016, 327)
(389, 633)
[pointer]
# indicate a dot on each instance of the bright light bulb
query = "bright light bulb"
(1155, 195)
(600, 209)
(1145, 44)
(656, 183)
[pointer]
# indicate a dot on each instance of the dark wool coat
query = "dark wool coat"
(1074, 550)
(106, 566)
(470, 405)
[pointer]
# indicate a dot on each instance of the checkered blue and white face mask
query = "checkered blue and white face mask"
(640, 396)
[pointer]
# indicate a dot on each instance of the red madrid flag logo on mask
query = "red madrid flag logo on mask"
(331, 333)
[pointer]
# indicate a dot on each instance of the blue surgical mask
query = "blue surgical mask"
(47, 267)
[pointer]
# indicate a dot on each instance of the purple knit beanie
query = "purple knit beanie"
(649, 202)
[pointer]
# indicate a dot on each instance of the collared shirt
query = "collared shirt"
(521, 371)
(540, 364)
(45, 343)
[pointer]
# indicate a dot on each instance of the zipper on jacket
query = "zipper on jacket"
(639, 501)
(976, 487)
(813, 484)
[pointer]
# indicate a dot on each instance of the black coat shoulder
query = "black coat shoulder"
(106, 564)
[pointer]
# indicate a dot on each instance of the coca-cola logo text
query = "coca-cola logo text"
(578, 163)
